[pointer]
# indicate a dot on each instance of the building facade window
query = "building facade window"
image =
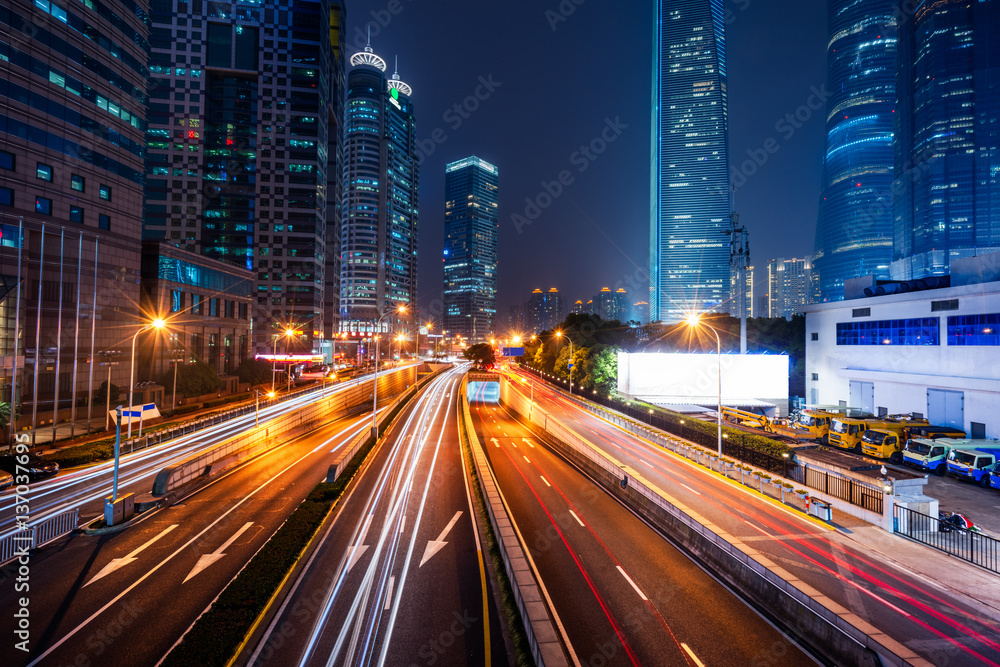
(43, 205)
(913, 331)
(104, 221)
(6, 197)
(76, 214)
(105, 192)
(176, 301)
(974, 329)
(196, 304)
(213, 308)
(77, 182)
(7, 161)
(43, 172)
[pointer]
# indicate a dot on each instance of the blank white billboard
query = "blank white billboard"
(696, 376)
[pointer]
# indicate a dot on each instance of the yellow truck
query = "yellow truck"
(815, 422)
(886, 443)
(846, 433)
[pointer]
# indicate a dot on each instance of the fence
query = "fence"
(17, 544)
(856, 492)
(973, 547)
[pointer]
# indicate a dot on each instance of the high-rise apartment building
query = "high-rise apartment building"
(72, 143)
(789, 286)
(471, 190)
(544, 310)
(854, 230)
(689, 199)
(947, 163)
(751, 292)
(243, 139)
(378, 248)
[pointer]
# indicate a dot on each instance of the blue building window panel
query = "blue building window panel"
(912, 331)
(974, 329)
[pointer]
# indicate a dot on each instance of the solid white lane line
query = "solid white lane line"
(545, 480)
(632, 583)
(691, 654)
(388, 594)
(689, 489)
(402, 522)
(580, 522)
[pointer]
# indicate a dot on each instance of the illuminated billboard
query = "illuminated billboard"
(696, 377)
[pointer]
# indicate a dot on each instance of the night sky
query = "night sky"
(550, 83)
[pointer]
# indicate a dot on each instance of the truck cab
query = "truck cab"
(995, 476)
(846, 433)
(885, 443)
(816, 422)
(928, 455)
(974, 463)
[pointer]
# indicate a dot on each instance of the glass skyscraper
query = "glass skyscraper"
(854, 230)
(242, 143)
(379, 224)
(689, 199)
(471, 191)
(947, 165)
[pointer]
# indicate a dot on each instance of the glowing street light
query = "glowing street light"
(694, 321)
(559, 334)
(156, 324)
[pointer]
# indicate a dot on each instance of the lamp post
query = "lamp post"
(256, 419)
(155, 324)
(399, 310)
(694, 321)
(559, 334)
(289, 332)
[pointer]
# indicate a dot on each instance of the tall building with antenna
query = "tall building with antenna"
(689, 199)
(379, 223)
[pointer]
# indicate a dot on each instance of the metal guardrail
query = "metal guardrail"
(973, 547)
(37, 535)
(866, 496)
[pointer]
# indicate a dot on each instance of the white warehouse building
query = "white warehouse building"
(926, 350)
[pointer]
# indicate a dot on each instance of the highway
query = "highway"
(126, 598)
(86, 487)
(623, 594)
(907, 607)
(398, 577)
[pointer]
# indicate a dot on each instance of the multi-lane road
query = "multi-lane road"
(398, 577)
(622, 594)
(907, 607)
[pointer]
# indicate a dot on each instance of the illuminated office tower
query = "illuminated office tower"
(471, 190)
(689, 199)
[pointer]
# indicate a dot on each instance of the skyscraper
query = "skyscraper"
(471, 191)
(243, 137)
(689, 199)
(544, 310)
(947, 166)
(854, 230)
(71, 171)
(379, 225)
(789, 283)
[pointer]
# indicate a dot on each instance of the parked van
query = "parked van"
(931, 455)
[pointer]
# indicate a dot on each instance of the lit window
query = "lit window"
(76, 214)
(43, 205)
(44, 172)
(77, 182)
(105, 192)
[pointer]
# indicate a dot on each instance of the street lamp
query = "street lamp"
(158, 323)
(288, 333)
(256, 419)
(559, 334)
(400, 310)
(694, 321)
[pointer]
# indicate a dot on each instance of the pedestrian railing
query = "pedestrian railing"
(37, 535)
(971, 546)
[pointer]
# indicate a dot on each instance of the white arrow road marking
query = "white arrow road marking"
(494, 441)
(122, 562)
(207, 559)
(434, 546)
(359, 549)
(527, 441)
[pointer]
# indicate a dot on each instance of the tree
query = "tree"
(5, 416)
(254, 372)
(481, 355)
(603, 370)
(193, 379)
(101, 397)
